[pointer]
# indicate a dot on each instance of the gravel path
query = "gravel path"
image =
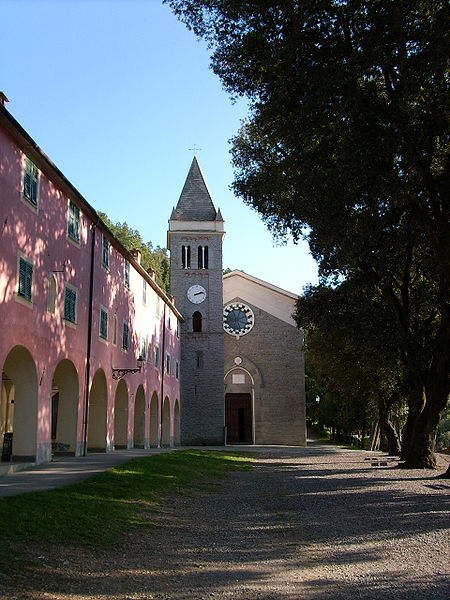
(320, 522)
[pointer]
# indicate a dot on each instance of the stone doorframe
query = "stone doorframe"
(242, 363)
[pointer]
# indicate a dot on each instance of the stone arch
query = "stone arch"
(65, 401)
(242, 397)
(19, 401)
(165, 434)
(154, 421)
(121, 415)
(197, 322)
(98, 401)
(176, 424)
(139, 419)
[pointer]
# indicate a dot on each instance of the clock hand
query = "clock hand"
(199, 293)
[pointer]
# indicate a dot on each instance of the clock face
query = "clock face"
(196, 294)
(238, 319)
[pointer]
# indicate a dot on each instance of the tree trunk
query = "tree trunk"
(389, 440)
(420, 451)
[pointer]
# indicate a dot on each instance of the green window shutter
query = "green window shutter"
(73, 225)
(25, 279)
(103, 324)
(27, 184)
(70, 299)
(105, 253)
(125, 336)
(30, 182)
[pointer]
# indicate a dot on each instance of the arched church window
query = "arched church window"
(51, 299)
(186, 257)
(203, 257)
(197, 321)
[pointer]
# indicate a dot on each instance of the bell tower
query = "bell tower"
(195, 238)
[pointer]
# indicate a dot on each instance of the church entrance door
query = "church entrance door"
(238, 418)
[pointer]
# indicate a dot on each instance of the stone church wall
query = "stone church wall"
(272, 353)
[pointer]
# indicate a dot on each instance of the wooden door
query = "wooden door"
(238, 418)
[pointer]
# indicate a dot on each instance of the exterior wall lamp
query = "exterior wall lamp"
(119, 373)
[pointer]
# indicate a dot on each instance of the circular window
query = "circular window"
(238, 319)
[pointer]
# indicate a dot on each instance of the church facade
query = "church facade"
(241, 352)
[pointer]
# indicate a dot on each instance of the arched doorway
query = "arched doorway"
(238, 406)
(154, 421)
(98, 399)
(165, 437)
(176, 424)
(139, 419)
(19, 398)
(65, 399)
(121, 416)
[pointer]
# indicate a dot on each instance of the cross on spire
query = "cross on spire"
(195, 149)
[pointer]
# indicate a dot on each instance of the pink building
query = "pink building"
(75, 309)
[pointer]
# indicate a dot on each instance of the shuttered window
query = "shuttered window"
(126, 275)
(25, 279)
(70, 305)
(105, 252)
(143, 346)
(30, 182)
(103, 324)
(73, 222)
(125, 337)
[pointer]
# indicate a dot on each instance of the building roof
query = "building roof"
(280, 303)
(195, 203)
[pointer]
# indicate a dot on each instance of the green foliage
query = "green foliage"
(443, 432)
(152, 258)
(95, 511)
(347, 145)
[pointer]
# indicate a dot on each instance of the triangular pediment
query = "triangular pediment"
(261, 294)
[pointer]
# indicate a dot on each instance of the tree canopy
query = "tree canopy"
(347, 145)
(151, 258)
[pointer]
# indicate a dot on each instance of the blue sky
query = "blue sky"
(116, 93)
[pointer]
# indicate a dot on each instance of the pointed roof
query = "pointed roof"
(195, 203)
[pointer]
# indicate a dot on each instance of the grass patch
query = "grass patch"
(95, 511)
